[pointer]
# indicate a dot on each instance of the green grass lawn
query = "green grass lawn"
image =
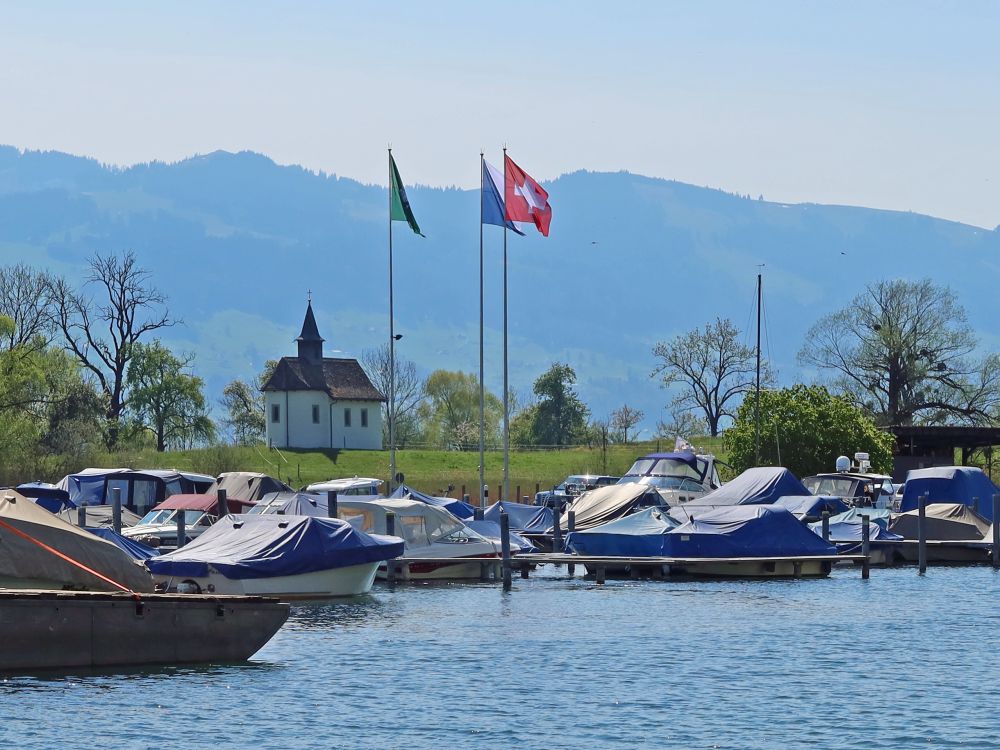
(426, 470)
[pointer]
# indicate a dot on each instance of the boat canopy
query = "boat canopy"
(86, 487)
(21, 558)
(945, 521)
(638, 535)
(49, 496)
(459, 508)
(676, 464)
(811, 507)
(745, 531)
(760, 485)
(525, 519)
(246, 546)
(207, 503)
(247, 485)
(362, 486)
(603, 504)
(967, 485)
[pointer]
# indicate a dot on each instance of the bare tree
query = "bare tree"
(409, 392)
(26, 298)
(624, 419)
(713, 367)
(682, 423)
(904, 350)
(103, 321)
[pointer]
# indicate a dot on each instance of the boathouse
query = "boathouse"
(313, 401)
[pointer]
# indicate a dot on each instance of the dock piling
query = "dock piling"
(826, 526)
(116, 509)
(922, 534)
(390, 530)
(81, 516)
(600, 573)
(222, 506)
(570, 528)
(181, 529)
(332, 509)
(996, 531)
(557, 543)
(865, 547)
(505, 548)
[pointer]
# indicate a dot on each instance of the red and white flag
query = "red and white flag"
(524, 199)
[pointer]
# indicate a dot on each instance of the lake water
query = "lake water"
(898, 661)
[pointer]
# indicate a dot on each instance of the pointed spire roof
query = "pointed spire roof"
(309, 330)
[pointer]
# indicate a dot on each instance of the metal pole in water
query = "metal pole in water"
(922, 533)
(116, 509)
(181, 529)
(826, 526)
(570, 528)
(505, 548)
(221, 503)
(996, 531)
(865, 547)
(390, 530)
(81, 516)
(331, 504)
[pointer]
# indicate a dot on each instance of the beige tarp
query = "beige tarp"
(945, 522)
(603, 504)
(23, 561)
(99, 515)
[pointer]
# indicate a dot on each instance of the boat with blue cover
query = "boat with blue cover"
(761, 485)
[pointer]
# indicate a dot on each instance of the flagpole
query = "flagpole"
(392, 353)
(506, 396)
(482, 392)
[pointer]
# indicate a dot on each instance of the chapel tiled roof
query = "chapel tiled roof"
(343, 379)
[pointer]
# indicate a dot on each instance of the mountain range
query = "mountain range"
(237, 242)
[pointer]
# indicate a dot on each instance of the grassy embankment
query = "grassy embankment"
(426, 470)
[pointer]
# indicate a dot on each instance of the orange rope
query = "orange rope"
(69, 559)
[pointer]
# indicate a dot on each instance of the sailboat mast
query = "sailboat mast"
(756, 404)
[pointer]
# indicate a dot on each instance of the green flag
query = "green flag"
(400, 207)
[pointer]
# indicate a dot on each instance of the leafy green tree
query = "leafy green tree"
(522, 426)
(450, 411)
(804, 428)
(165, 400)
(244, 405)
(560, 415)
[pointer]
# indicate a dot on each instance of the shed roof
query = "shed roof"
(340, 378)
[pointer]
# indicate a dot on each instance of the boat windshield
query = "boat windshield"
(665, 467)
(672, 483)
(156, 517)
(836, 486)
(166, 516)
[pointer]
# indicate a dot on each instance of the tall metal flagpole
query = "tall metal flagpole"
(482, 393)
(506, 404)
(392, 353)
(756, 405)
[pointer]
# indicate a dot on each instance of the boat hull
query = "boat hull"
(461, 568)
(742, 568)
(318, 584)
(83, 630)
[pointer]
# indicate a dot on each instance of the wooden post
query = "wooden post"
(865, 547)
(524, 570)
(181, 529)
(570, 528)
(922, 534)
(332, 509)
(81, 516)
(222, 507)
(996, 531)
(465, 495)
(517, 494)
(826, 526)
(537, 488)
(557, 543)
(505, 548)
(500, 491)
(390, 530)
(116, 509)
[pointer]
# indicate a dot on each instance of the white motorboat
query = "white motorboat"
(679, 477)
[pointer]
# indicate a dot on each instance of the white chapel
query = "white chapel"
(314, 401)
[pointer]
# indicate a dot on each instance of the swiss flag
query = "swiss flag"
(524, 198)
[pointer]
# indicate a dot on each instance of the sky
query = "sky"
(887, 104)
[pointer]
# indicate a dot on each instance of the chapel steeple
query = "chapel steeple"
(309, 341)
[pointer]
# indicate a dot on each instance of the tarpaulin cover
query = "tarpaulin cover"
(526, 519)
(99, 515)
(491, 530)
(459, 508)
(758, 486)
(50, 497)
(247, 485)
(207, 503)
(247, 546)
(811, 507)
(945, 522)
(136, 550)
(846, 529)
(966, 485)
(744, 531)
(23, 559)
(641, 534)
(603, 504)
(87, 486)
(877, 517)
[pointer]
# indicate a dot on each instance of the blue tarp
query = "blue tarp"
(810, 507)
(758, 486)
(292, 504)
(744, 531)
(457, 507)
(255, 546)
(87, 488)
(50, 497)
(879, 516)
(136, 550)
(525, 519)
(641, 534)
(491, 530)
(963, 485)
(849, 530)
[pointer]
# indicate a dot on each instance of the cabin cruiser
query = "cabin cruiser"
(349, 487)
(855, 484)
(158, 528)
(678, 477)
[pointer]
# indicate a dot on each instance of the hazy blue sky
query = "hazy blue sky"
(884, 104)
